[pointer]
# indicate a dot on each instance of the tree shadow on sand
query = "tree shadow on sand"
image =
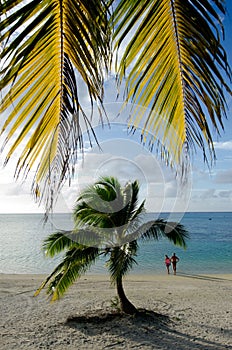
(106, 317)
(147, 329)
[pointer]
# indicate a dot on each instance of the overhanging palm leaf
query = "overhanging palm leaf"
(46, 46)
(175, 63)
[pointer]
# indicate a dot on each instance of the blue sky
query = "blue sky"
(123, 156)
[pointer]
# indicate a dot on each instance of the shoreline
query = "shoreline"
(184, 312)
(130, 275)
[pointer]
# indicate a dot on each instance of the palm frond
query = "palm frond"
(47, 47)
(108, 205)
(55, 272)
(96, 205)
(122, 260)
(75, 263)
(90, 236)
(87, 236)
(176, 67)
(123, 205)
(173, 231)
(57, 242)
(131, 210)
(89, 213)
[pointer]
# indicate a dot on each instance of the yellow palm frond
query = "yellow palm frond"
(173, 64)
(46, 46)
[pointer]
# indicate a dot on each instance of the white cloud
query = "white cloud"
(208, 194)
(12, 189)
(226, 145)
(17, 198)
(210, 200)
(224, 177)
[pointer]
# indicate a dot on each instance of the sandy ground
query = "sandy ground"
(183, 312)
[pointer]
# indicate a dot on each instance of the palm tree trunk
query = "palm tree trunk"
(125, 305)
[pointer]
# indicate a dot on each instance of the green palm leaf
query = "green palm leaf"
(87, 236)
(175, 64)
(98, 204)
(122, 260)
(47, 47)
(57, 243)
(76, 262)
(107, 205)
(174, 232)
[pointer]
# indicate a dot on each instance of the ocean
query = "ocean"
(209, 249)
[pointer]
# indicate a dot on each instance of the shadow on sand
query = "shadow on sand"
(204, 277)
(145, 330)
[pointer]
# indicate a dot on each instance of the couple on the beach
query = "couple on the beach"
(173, 260)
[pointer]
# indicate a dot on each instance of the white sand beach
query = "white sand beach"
(185, 312)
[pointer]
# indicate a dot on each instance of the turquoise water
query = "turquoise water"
(209, 248)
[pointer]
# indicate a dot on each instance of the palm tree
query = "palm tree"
(173, 63)
(108, 222)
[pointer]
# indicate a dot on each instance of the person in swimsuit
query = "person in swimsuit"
(167, 261)
(174, 260)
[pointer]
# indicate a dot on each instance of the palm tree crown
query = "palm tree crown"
(108, 221)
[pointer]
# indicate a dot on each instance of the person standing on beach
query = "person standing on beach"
(174, 261)
(167, 261)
